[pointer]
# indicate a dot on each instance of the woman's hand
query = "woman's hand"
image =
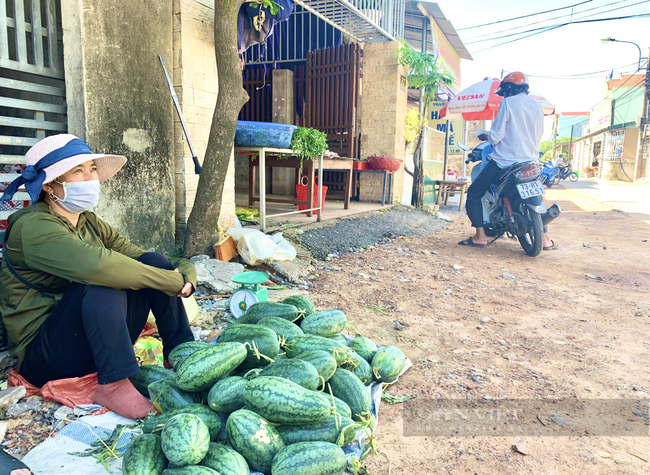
(187, 289)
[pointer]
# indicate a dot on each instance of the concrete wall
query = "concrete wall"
(383, 116)
(195, 81)
(118, 102)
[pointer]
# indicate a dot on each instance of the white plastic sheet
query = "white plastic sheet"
(255, 247)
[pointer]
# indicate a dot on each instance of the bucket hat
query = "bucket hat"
(52, 157)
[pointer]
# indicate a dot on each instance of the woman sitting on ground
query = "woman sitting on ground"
(74, 294)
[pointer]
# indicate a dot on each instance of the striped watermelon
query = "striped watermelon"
(346, 386)
(185, 440)
(310, 458)
(299, 371)
(364, 346)
(324, 431)
(227, 395)
(212, 419)
(360, 367)
(303, 304)
(190, 470)
(283, 328)
(182, 351)
(200, 370)
(225, 460)
(322, 360)
(254, 438)
(284, 402)
(144, 456)
(265, 339)
(147, 375)
(388, 363)
(166, 395)
(327, 323)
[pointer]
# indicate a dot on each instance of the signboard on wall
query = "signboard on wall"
(455, 128)
(446, 54)
(601, 116)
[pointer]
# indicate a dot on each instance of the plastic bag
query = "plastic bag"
(70, 392)
(148, 350)
(255, 247)
(191, 309)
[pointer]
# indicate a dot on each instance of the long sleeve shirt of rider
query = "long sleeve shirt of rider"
(517, 130)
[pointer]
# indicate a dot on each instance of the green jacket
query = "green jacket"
(48, 251)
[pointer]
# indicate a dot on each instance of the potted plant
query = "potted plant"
(361, 164)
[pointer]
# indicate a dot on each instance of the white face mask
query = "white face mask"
(79, 196)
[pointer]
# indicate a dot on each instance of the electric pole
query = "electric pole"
(643, 125)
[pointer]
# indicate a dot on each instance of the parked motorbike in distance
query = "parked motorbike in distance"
(564, 173)
(513, 206)
(548, 175)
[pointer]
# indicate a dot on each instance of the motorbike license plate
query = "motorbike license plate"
(532, 188)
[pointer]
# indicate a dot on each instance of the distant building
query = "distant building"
(609, 140)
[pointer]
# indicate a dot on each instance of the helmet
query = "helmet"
(516, 82)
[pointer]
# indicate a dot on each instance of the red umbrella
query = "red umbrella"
(480, 102)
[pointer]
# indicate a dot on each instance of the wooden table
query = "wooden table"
(269, 157)
(446, 187)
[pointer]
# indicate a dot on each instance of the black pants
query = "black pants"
(93, 329)
(9, 463)
(477, 189)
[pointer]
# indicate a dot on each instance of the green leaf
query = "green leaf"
(308, 143)
(389, 398)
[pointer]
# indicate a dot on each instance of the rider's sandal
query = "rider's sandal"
(469, 242)
(552, 247)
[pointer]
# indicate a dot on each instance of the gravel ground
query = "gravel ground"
(351, 233)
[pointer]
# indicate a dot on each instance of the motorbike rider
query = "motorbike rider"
(515, 136)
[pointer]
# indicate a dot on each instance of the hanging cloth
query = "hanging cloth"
(255, 23)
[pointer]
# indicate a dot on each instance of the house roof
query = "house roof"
(414, 14)
(626, 80)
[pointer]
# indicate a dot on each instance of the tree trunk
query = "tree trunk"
(417, 196)
(202, 223)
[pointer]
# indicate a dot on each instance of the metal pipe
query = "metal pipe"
(197, 165)
(552, 213)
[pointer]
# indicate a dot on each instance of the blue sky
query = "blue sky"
(572, 49)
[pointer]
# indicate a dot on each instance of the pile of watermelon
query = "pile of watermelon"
(290, 388)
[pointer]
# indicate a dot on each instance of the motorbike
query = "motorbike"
(548, 175)
(513, 206)
(564, 173)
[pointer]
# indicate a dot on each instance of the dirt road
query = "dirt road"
(486, 325)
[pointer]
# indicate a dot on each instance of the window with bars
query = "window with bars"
(32, 86)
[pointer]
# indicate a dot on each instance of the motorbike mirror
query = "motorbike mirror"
(463, 146)
(481, 132)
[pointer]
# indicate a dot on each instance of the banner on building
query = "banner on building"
(601, 116)
(455, 128)
(446, 54)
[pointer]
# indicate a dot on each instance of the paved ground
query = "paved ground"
(631, 198)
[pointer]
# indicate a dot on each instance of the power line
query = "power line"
(538, 31)
(525, 16)
(561, 24)
(542, 21)
(613, 90)
(593, 74)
